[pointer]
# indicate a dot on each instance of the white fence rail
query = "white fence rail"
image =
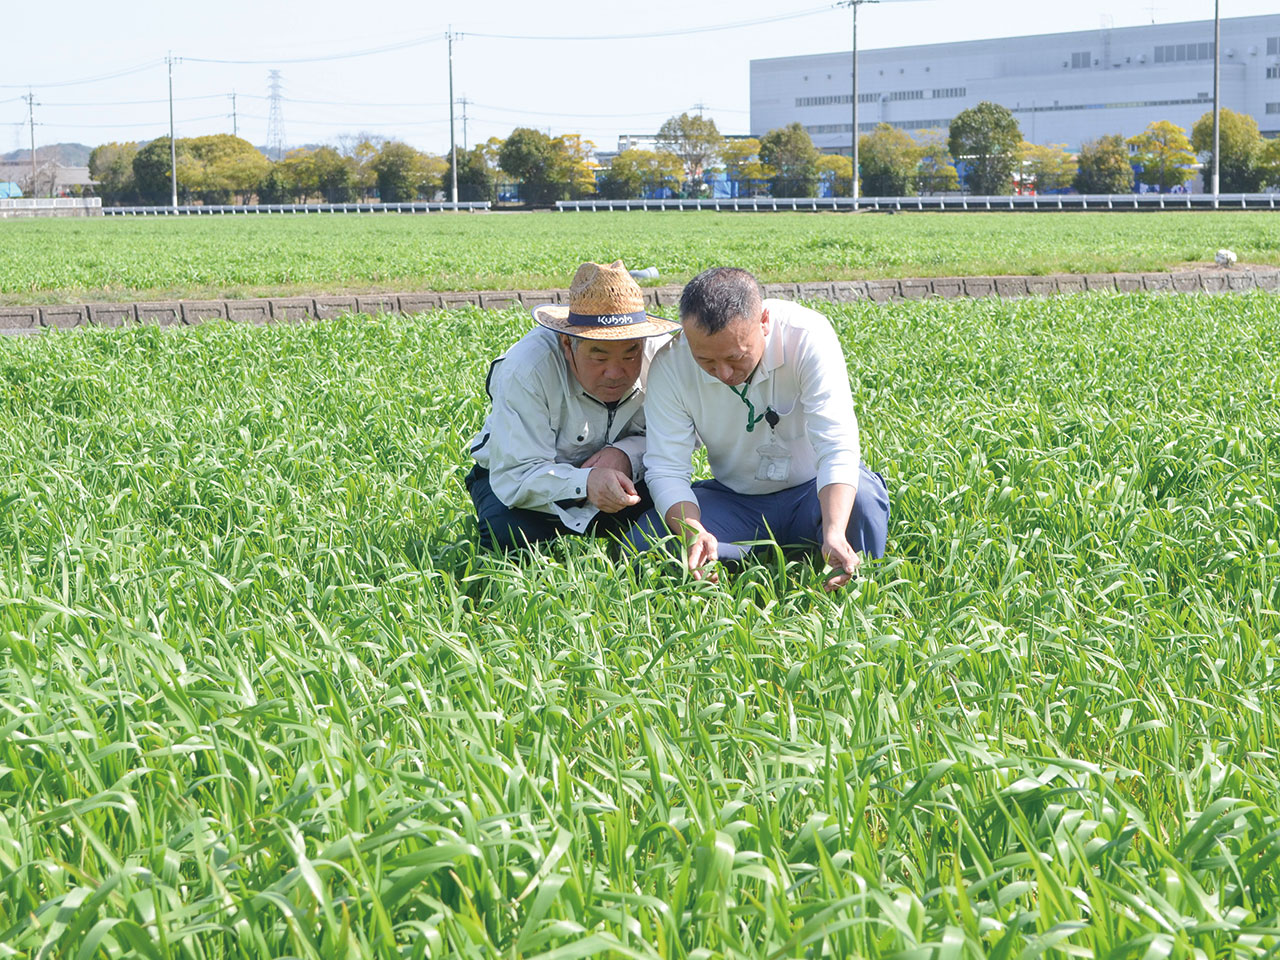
(266, 208)
(1119, 201)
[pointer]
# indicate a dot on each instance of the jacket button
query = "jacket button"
(580, 439)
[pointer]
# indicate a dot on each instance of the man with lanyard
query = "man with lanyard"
(763, 384)
(562, 449)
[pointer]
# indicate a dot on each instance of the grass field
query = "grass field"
(51, 261)
(259, 695)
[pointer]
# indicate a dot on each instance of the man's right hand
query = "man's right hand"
(700, 551)
(701, 548)
(610, 490)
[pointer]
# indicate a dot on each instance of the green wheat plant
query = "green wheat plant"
(123, 259)
(261, 696)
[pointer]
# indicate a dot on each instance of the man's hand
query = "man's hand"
(610, 457)
(610, 490)
(843, 559)
(701, 549)
(700, 546)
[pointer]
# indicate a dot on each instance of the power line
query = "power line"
(653, 35)
(131, 103)
(387, 48)
(71, 83)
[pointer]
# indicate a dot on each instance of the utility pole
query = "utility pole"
(464, 101)
(173, 144)
(1217, 99)
(31, 116)
(235, 129)
(853, 88)
(453, 144)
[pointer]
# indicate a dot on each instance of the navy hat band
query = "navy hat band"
(606, 319)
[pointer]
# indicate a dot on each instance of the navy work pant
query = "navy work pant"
(505, 527)
(791, 517)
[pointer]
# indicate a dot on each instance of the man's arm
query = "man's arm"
(837, 505)
(522, 460)
(668, 462)
(833, 431)
(700, 546)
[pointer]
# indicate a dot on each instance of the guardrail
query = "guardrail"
(1118, 201)
(49, 203)
(423, 206)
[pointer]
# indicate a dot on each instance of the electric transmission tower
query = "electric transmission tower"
(275, 118)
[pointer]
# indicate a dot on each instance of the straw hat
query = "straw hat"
(604, 304)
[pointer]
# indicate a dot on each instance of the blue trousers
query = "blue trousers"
(508, 527)
(791, 517)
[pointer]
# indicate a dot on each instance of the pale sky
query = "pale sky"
(600, 88)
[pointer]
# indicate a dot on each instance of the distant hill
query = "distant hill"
(67, 154)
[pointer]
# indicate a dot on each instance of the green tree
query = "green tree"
(361, 150)
(838, 170)
(1104, 166)
(400, 171)
(334, 176)
(1165, 155)
(529, 156)
(985, 139)
(301, 179)
(936, 172)
(634, 173)
(695, 140)
(1049, 166)
(1269, 162)
(573, 167)
(790, 152)
(475, 175)
(220, 166)
(151, 170)
(742, 165)
(433, 175)
(278, 186)
(111, 164)
(889, 159)
(1241, 145)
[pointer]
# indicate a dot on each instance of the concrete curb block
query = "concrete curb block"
(326, 307)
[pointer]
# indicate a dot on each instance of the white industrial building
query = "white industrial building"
(1062, 87)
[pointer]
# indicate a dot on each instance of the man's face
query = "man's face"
(607, 369)
(730, 355)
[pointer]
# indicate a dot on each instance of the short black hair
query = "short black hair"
(717, 297)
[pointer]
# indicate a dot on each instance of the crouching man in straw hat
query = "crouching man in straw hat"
(562, 450)
(763, 384)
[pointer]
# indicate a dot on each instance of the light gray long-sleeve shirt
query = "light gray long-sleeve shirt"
(801, 376)
(543, 425)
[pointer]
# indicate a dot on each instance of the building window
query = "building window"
(897, 95)
(868, 98)
(1080, 60)
(823, 101)
(1273, 108)
(1273, 73)
(941, 93)
(1273, 46)
(1181, 52)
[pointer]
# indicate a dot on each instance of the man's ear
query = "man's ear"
(764, 321)
(566, 344)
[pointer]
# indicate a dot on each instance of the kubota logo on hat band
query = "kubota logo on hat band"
(606, 319)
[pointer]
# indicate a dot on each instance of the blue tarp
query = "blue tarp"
(9, 190)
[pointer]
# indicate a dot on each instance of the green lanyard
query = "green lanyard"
(752, 418)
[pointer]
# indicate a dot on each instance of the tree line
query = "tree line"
(983, 151)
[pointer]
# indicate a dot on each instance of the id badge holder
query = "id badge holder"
(775, 461)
